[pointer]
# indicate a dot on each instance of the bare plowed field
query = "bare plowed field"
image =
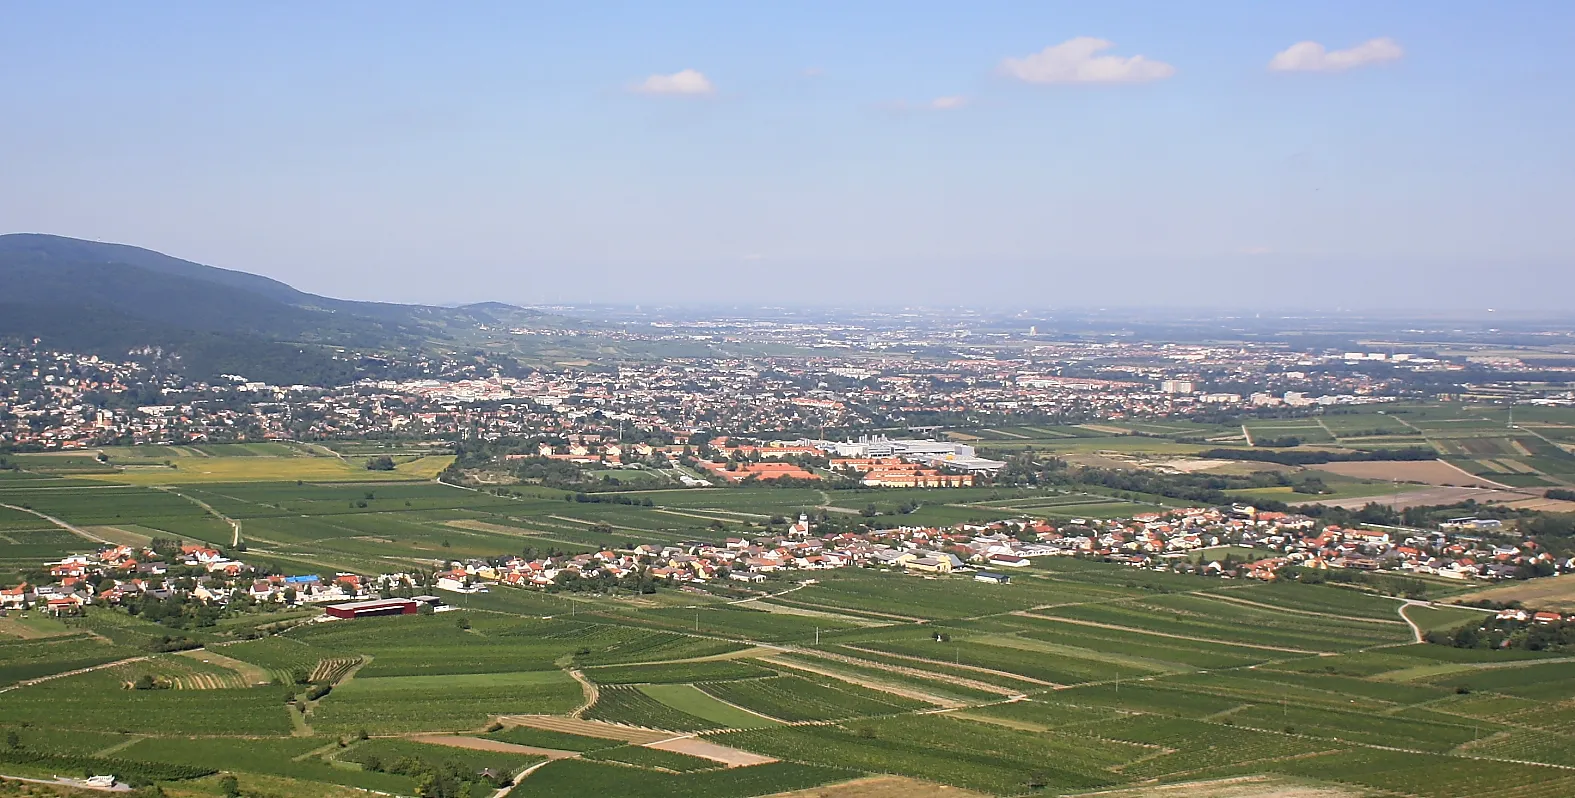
(587, 728)
(1555, 593)
(1426, 472)
(1248, 787)
(484, 744)
(1423, 497)
(705, 749)
(882, 787)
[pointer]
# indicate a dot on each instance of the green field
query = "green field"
(1078, 676)
(217, 463)
(1143, 672)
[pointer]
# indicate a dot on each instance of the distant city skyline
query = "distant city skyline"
(1234, 155)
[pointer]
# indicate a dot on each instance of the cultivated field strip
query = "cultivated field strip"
(1078, 676)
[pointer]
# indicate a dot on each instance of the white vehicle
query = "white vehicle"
(100, 781)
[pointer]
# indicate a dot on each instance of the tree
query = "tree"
(438, 785)
(381, 462)
(230, 786)
(13, 740)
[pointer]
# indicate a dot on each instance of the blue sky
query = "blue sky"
(812, 152)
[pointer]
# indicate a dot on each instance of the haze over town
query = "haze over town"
(1354, 155)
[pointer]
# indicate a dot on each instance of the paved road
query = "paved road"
(1415, 630)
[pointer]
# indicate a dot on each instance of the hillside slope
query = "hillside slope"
(111, 299)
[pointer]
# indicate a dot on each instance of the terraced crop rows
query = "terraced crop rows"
(793, 698)
(627, 705)
(331, 670)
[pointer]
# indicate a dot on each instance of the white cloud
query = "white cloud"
(1312, 57)
(688, 81)
(1078, 61)
(948, 103)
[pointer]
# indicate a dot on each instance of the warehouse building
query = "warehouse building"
(372, 609)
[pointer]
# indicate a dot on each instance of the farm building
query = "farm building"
(372, 609)
(929, 565)
(992, 578)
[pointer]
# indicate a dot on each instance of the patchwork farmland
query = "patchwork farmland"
(1077, 677)
(1080, 682)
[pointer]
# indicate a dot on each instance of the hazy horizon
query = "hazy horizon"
(1239, 156)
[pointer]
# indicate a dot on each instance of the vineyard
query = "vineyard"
(21, 660)
(332, 669)
(543, 738)
(609, 780)
(655, 759)
(999, 761)
(794, 698)
(630, 706)
(384, 755)
(131, 771)
(403, 704)
(287, 660)
(676, 673)
(1078, 676)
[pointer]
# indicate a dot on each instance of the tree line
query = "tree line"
(1303, 458)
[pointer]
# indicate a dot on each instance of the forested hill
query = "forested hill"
(109, 299)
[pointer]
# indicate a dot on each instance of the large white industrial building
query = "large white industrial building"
(939, 454)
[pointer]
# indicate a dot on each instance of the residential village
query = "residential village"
(1261, 545)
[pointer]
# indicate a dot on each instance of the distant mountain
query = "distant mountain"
(109, 299)
(493, 307)
(73, 250)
